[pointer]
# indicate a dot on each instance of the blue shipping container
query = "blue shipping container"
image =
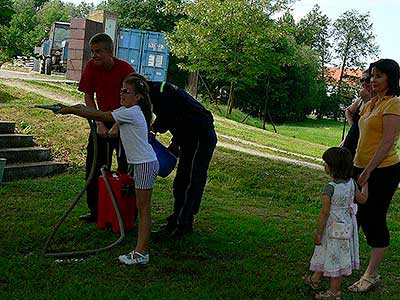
(146, 51)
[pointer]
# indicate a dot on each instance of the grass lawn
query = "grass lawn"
(253, 236)
(323, 132)
(253, 239)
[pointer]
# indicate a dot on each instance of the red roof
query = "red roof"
(350, 76)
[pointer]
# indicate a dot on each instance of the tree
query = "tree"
(227, 40)
(6, 11)
(153, 15)
(15, 37)
(314, 30)
(82, 10)
(145, 15)
(355, 41)
(31, 22)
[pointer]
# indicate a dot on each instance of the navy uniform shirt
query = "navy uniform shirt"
(178, 112)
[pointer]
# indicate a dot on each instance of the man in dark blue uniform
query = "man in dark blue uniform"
(192, 128)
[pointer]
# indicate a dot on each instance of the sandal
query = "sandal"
(315, 285)
(328, 295)
(365, 284)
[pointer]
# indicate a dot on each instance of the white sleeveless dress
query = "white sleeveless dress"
(337, 257)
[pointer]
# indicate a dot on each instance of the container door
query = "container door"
(155, 56)
(129, 47)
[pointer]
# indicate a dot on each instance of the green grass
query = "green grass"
(253, 236)
(253, 239)
(323, 132)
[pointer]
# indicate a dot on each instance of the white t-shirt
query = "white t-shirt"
(134, 134)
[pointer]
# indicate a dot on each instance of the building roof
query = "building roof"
(350, 76)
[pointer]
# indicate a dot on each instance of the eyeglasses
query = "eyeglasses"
(365, 80)
(127, 91)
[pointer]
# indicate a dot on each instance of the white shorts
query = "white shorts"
(144, 174)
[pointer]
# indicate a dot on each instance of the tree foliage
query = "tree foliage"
(31, 21)
(315, 30)
(153, 15)
(239, 45)
(355, 42)
(227, 40)
(6, 11)
(15, 36)
(269, 66)
(145, 15)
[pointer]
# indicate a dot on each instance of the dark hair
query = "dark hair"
(339, 161)
(141, 87)
(392, 70)
(103, 39)
(365, 76)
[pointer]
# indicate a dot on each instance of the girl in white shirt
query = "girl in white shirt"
(133, 117)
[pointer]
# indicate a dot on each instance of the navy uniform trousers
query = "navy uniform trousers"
(191, 176)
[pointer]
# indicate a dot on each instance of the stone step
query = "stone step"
(25, 154)
(32, 170)
(7, 127)
(15, 140)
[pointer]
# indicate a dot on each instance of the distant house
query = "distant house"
(351, 76)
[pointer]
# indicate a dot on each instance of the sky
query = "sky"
(383, 14)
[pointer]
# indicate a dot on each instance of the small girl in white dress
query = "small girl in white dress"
(336, 255)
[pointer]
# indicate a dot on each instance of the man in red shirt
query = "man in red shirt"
(102, 76)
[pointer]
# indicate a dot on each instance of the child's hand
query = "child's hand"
(114, 131)
(317, 239)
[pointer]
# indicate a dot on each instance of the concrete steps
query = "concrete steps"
(24, 158)
(25, 154)
(14, 140)
(32, 170)
(7, 127)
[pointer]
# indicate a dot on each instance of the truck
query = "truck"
(52, 55)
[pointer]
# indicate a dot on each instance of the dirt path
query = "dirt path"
(42, 92)
(270, 156)
(54, 96)
(7, 74)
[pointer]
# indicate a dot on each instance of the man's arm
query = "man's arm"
(102, 130)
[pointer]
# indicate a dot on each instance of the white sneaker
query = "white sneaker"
(130, 259)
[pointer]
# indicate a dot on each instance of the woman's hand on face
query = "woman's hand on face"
(363, 178)
(365, 94)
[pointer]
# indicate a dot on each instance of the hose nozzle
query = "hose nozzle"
(54, 107)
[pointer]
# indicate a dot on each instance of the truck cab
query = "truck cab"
(53, 52)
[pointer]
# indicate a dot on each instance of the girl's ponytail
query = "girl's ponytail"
(141, 87)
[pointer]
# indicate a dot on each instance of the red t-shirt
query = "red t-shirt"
(105, 84)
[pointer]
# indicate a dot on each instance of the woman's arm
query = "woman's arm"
(323, 217)
(391, 129)
(351, 110)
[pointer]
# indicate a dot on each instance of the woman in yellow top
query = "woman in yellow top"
(376, 162)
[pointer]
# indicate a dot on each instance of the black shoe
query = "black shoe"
(181, 231)
(88, 218)
(164, 232)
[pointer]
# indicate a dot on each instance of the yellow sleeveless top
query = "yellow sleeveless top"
(371, 131)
